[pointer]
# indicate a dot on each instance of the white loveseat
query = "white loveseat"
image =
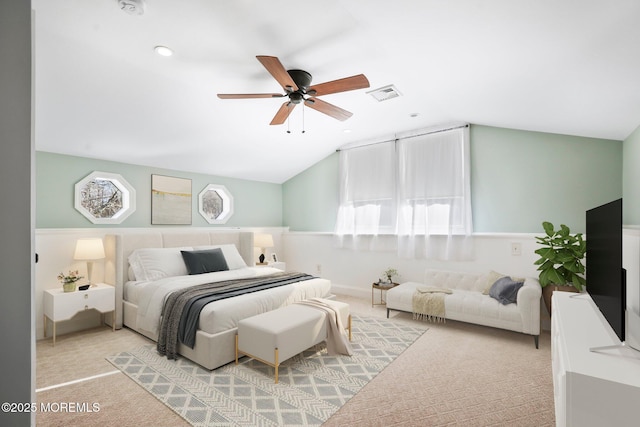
(470, 302)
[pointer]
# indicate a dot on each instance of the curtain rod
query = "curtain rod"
(406, 137)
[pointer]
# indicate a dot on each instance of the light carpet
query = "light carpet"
(312, 385)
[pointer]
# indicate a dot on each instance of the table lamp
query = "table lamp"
(263, 241)
(89, 250)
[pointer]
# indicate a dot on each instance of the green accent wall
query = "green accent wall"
(311, 198)
(631, 178)
(518, 180)
(256, 204)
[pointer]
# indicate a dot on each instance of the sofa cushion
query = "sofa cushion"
(505, 290)
(454, 280)
(472, 306)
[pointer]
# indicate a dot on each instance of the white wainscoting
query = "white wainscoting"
(55, 248)
(352, 272)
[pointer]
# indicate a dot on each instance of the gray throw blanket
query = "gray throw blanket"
(181, 311)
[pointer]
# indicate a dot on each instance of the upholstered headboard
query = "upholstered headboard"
(118, 247)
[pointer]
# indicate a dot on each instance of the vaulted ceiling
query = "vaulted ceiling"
(560, 66)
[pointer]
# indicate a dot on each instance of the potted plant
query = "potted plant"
(560, 263)
(69, 281)
(389, 273)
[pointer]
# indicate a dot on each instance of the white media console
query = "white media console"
(591, 388)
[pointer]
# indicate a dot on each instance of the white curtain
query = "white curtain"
(412, 194)
(434, 196)
(367, 195)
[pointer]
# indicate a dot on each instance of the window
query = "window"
(367, 190)
(417, 188)
(215, 204)
(104, 198)
(433, 184)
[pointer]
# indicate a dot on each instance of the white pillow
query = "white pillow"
(231, 255)
(158, 263)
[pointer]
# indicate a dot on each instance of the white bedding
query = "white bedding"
(224, 314)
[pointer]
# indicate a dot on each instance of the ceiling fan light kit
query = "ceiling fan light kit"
(297, 87)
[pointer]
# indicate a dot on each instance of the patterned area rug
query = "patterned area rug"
(312, 385)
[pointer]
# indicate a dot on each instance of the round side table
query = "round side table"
(382, 287)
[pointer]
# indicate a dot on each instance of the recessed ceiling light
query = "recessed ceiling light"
(163, 51)
(346, 130)
(414, 115)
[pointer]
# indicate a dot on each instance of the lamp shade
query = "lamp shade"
(88, 249)
(263, 241)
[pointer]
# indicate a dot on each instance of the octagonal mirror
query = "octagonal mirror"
(105, 198)
(215, 204)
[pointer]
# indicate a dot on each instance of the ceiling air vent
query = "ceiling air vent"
(384, 93)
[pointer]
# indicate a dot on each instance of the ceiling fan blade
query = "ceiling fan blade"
(328, 109)
(277, 70)
(340, 85)
(283, 113)
(249, 95)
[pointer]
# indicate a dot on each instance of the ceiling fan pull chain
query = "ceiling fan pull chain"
(302, 118)
(288, 126)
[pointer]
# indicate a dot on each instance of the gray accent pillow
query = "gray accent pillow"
(505, 290)
(206, 261)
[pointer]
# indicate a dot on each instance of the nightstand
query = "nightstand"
(60, 305)
(279, 265)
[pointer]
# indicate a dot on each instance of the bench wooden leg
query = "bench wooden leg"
(236, 349)
(277, 364)
(349, 327)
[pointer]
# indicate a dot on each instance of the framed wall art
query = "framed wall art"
(170, 200)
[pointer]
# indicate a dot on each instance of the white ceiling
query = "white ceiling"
(561, 66)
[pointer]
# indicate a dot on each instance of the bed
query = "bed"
(144, 268)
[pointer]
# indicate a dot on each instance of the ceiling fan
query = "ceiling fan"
(297, 87)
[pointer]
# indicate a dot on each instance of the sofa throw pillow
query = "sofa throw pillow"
(492, 276)
(207, 261)
(505, 290)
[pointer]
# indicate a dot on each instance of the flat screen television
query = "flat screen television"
(606, 278)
